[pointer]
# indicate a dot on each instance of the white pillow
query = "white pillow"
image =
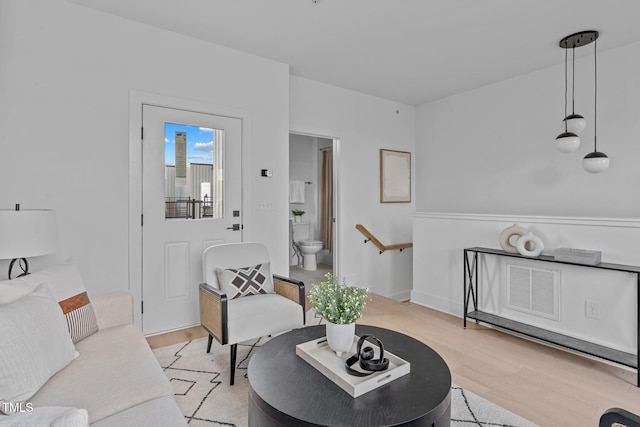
(34, 344)
(66, 284)
(64, 280)
(45, 416)
(13, 290)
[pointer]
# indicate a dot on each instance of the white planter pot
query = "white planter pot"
(340, 337)
(297, 218)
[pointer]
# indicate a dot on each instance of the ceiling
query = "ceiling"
(411, 51)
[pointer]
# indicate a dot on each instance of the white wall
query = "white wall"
(364, 124)
(490, 152)
(440, 239)
(65, 81)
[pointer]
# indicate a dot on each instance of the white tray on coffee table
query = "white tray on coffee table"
(318, 354)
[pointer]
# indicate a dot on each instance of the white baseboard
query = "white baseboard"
(400, 296)
(437, 303)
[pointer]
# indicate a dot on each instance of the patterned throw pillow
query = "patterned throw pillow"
(81, 319)
(245, 281)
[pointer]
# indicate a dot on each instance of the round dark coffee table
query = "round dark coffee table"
(285, 390)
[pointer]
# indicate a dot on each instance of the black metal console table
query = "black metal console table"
(471, 274)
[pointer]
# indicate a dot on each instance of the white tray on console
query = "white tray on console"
(318, 354)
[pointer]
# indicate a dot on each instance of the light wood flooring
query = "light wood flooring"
(548, 386)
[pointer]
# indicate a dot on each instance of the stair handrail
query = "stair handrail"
(382, 247)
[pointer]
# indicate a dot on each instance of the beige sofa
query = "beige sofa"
(114, 376)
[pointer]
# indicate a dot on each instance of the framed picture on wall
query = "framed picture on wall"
(395, 176)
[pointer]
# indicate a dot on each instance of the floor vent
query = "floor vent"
(534, 291)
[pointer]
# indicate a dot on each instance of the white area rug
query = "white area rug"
(201, 385)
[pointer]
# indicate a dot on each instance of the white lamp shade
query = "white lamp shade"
(27, 233)
(574, 123)
(595, 162)
(567, 142)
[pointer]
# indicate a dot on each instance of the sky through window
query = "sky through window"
(199, 143)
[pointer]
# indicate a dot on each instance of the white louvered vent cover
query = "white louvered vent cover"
(534, 291)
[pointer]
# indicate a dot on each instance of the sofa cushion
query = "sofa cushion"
(245, 281)
(67, 286)
(51, 416)
(34, 345)
(261, 315)
(116, 370)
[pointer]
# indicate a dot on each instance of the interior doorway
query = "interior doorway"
(313, 193)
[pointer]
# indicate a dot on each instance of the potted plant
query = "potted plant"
(340, 306)
(297, 215)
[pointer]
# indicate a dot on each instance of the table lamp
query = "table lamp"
(27, 233)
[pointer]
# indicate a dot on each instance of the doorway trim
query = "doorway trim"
(136, 100)
(305, 131)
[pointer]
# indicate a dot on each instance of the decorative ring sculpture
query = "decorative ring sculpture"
(530, 245)
(507, 233)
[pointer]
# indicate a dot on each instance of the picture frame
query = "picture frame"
(395, 176)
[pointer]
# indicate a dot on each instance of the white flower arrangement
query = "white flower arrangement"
(338, 303)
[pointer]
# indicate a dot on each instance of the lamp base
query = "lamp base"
(24, 266)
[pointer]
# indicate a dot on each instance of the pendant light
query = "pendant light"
(596, 161)
(574, 122)
(567, 141)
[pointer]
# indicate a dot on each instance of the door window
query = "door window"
(194, 172)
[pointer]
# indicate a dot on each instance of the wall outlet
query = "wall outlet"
(592, 310)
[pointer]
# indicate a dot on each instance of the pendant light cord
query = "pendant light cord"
(573, 81)
(565, 90)
(595, 95)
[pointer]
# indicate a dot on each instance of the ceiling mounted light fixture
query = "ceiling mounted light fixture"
(596, 161)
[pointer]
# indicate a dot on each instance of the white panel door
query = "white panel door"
(191, 199)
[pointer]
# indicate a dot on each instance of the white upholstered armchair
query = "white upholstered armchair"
(241, 300)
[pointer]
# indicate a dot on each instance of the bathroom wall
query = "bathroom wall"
(303, 166)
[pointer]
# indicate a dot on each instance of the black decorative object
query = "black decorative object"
(365, 358)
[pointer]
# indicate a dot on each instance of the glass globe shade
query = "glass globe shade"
(567, 142)
(595, 162)
(575, 123)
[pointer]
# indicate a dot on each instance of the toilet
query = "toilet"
(307, 247)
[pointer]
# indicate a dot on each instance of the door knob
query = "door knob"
(235, 227)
